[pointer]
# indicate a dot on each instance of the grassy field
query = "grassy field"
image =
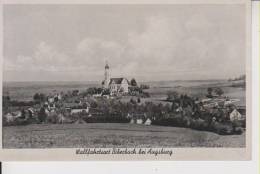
(113, 135)
(24, 91)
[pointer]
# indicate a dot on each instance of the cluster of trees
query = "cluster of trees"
(122, 109)
(172, 95)
(40, 97)
(137, 91)
(133, 82)
(7, 102)
(192, 114)
(143, 86)
(93, 90)
(211, 91)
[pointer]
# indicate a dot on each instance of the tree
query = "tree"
(133, 82)
(132, 101)
(6, 100)
(42, 115)
(142, 86)
(93, 104)
(99, 90)
(39, 97)
(219, 91)
(106, 92)
(36, 97)
(172, 95)
(42, 97)
(91, 91)
(210, 91)
(75, 92)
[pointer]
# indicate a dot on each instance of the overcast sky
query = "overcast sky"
(148, 42)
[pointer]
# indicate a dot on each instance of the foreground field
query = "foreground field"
(112, 135)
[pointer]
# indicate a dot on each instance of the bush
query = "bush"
(199, 124)
(142, 86)
(175, 121)
(107, 119)
(133, 101)
(145, 95)
(42, 115)
(15, 103)
(221, 129)
(92, 91)
(172, 95)
(219, 91)
(133, 82)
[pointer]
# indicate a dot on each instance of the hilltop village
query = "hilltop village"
(119, 100)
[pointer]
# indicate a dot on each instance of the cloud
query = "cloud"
(164, 48)
(44, 58)
(93, 52)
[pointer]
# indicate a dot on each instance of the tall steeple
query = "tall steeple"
(106, 67)
(107, 76)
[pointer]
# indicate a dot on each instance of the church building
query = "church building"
(115, 85)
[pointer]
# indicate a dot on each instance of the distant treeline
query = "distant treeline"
(242, 77)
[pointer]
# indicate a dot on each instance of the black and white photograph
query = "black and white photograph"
(124, 76)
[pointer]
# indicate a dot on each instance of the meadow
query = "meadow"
(112, 135)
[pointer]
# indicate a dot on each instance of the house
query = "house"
(61, 118)
(75, 111)
(97, 95)
(137, 118)
(50, 99)
(235, 115)
(31, 111)
(148, 122)
(115, 85)
(69, 106)
(9, 117)
(118, 85)
(132, 121)
(139, 121)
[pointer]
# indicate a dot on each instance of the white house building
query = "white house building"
(115, 85)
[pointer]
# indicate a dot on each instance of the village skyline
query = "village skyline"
(149, 43)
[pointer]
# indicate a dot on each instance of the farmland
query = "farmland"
(112, 135)
(24, 91)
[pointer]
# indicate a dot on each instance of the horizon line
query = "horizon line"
(99, 81)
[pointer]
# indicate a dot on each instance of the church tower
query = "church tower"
(107, 76)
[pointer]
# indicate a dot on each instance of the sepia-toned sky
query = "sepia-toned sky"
(148, 42)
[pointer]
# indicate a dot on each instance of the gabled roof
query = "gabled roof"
(117, 80)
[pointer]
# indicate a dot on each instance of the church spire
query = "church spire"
(106, 67)
(107, 76)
